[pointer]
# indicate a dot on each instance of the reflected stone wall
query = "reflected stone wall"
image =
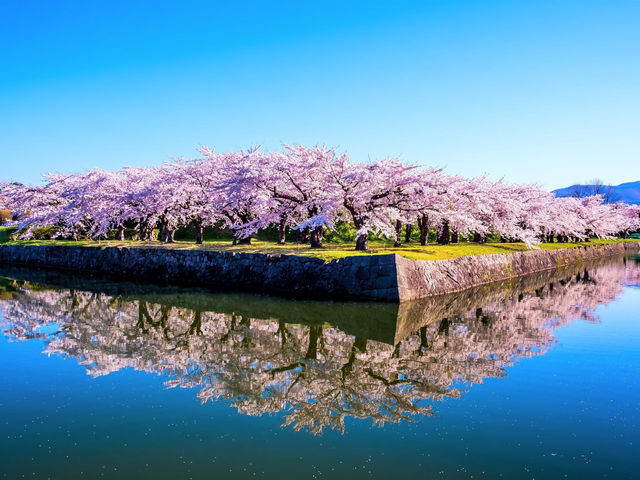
(318, 363)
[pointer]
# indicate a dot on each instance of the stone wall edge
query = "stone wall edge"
(388, 278)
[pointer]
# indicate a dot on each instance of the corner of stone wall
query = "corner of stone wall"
(403, 277)
(370, 277)
(422, 278)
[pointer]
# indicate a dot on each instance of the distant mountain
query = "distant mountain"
(625, 192)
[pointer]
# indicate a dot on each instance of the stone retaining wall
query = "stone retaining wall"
(388, 278)
(370, 277)
(419, 279)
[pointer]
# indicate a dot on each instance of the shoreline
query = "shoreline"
(385, 278)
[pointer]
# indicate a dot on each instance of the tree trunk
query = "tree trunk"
(282, 231)
(168, 235)
(423, 225)
(443, 238)
(315, 335)
(455, 237)
(121, 233)
(161, 231)
(424, 341)
(362, 239)
(316, 237)
(199, 231)
(244, 241)
(359, 344)
(196, 325)
(478, 237)
(362, 242)
(146, 232)
(398, 242)
(304, 235)
(407, 233)
(444, 326)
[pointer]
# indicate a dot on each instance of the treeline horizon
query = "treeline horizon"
(310, 190)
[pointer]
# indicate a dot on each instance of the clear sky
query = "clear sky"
(532, 91)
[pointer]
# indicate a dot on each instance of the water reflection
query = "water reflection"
(317, 362)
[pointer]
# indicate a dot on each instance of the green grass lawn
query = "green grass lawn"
(329, 252)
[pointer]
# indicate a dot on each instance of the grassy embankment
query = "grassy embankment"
(332, 249)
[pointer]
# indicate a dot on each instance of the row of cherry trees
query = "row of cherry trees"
(309, 190)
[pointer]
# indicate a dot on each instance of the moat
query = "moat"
(536, 377)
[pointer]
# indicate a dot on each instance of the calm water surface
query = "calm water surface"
(534, 379)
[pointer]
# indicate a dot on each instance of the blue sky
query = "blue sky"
(545, 92)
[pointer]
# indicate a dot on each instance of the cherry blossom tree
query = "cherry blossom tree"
(308, 190)
(373, 194)
(299, 181)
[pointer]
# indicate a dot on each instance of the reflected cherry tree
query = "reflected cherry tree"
(312, 370)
